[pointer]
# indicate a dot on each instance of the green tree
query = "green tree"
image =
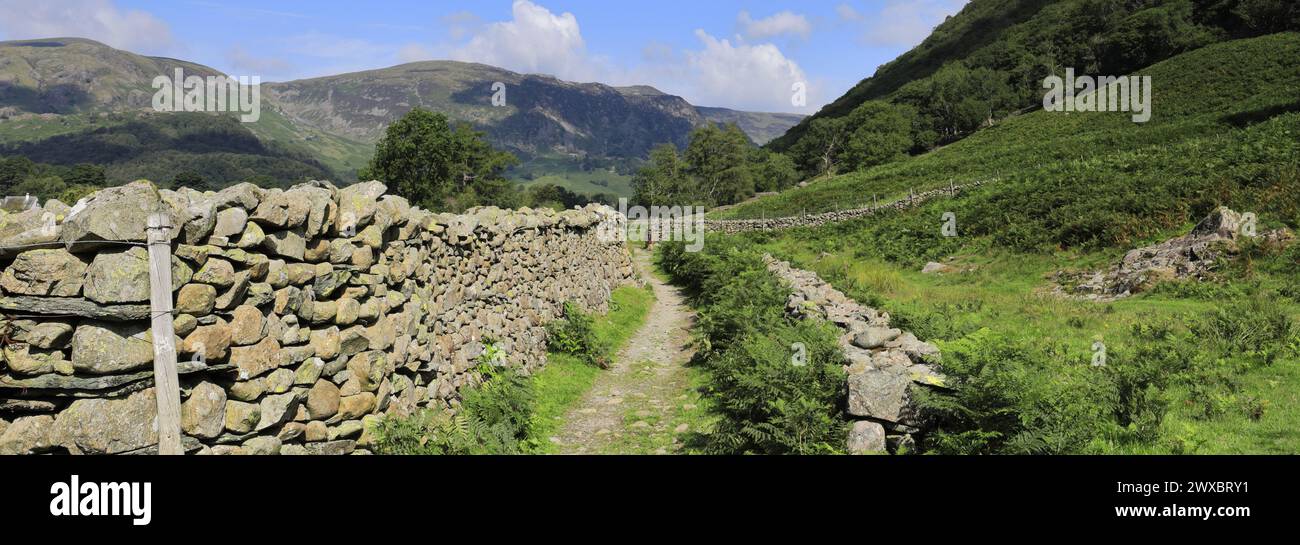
(14, 170)
(882, 132)
(433, 164)
(773, 171)
(86, 174)
(190, 179)
(662, 181)
(718, 157)
(818, 152)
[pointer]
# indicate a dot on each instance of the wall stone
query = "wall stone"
(884, 365)
(301, 314)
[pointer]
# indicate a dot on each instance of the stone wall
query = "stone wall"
(300, 315)
(814, 220)
(884, 364)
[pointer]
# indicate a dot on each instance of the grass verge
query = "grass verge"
(567, 377)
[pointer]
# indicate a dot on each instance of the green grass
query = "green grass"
(1198, 97)
(567, 172)
(566, 378)
(1007, 293)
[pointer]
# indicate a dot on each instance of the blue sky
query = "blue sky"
(744, 54)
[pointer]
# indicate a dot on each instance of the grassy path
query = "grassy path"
(645, 402)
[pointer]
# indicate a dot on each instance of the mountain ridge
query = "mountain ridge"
(59, 85)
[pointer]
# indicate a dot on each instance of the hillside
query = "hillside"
(761, 127)
(988, 61)
(72, 86)
(1208, 91)
(1187, 364)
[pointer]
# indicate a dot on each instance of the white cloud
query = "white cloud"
(244, 63)
(907, 22)
(780, 24)
(99, 20)
(461, 24)
(535, 41)
(718, 72)
(741, 75)
(847, 13)
(414, 53)
(340, 54)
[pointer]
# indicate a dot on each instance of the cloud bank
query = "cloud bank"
(99, 20)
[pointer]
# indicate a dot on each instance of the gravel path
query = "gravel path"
(629, 408)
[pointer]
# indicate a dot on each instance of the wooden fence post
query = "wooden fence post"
(166, 384)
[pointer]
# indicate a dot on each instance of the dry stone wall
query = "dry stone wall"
(884, 364)
(731, 227)
(300, 315)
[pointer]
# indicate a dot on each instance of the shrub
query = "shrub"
(1257, 327)
(1011, 397)
(766, 404)
(575, 334)
(493, 419)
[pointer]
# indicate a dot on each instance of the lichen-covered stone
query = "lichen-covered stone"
(108, 426)
(204, 413)
(100, 348)
(323, 400)
(196, 299)
(54, 272)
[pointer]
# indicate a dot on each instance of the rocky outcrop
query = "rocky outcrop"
(300, 314)
(884, 364)
(1193, 256)
(814, 220)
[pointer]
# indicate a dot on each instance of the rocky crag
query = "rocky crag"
(1193, 256)
(301, 315)
(884, 365)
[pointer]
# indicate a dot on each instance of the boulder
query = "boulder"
(242, 417)
(27, 435)
(123, 276)
(356, 406)
(26, 359)
(933, 267)
(244, 195)
(288, 244)
(204, 413)
(44, 334)
(323, 400)
(45, 272)
(101, 348)
(234, 295)
(208, 342)
(247, 326)
(262, 445)
(230, 223)
(196, 299)
(881, 394)
(255, 360)
(108, 426)
(276, 409)
(866, 438)
(357, 204)
(115, 213)
(875, 337)
(216, 272)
